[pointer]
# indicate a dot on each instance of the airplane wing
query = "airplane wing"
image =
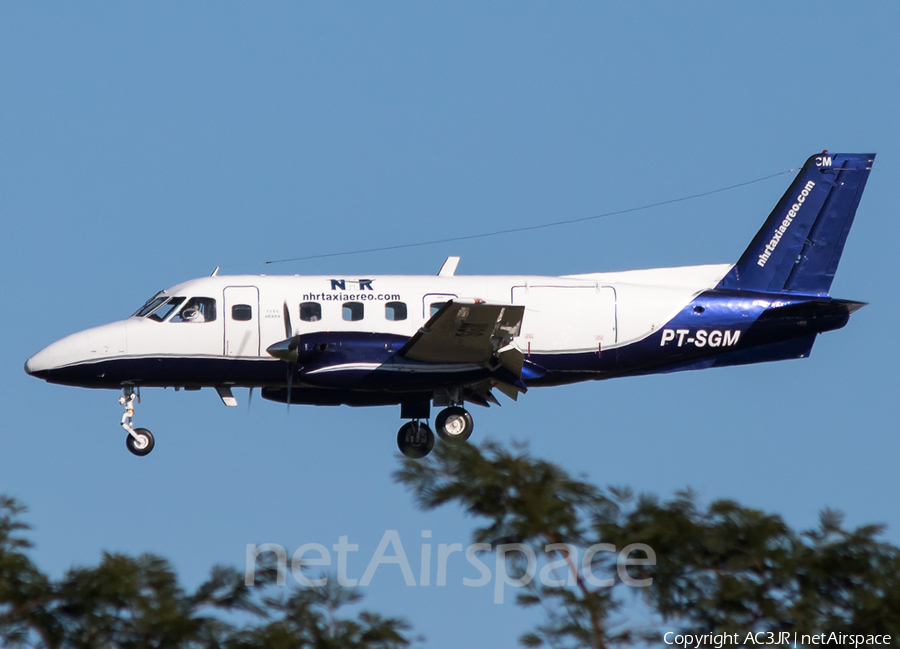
(469, 331)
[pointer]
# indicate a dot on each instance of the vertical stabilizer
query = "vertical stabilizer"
(799, 246)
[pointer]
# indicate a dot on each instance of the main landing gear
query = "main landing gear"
(454, 423)
(140, 440)
(415, 439)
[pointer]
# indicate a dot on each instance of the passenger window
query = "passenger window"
(164, 312)
(395, 311)
(311, 311)
(197, 309)
(436, 306)
(241, 312)
(353, 311)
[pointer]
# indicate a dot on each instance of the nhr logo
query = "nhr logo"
(341, 284)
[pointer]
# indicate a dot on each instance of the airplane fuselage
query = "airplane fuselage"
(575, 328)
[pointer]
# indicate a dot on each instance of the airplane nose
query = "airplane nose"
(70, 349)
(64, 360)
(38, 365)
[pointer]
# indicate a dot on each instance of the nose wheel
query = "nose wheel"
(140, 440)
(415, 439)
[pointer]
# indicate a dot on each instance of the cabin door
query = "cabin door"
(241, 315)
(567, 318)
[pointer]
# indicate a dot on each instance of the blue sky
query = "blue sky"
(147, 143)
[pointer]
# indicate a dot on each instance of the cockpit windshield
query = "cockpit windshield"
(163, 312)
(161, 306)
(151, 305)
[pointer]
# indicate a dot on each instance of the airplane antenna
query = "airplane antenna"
(527, 228)
(215, 272)
(449, 267)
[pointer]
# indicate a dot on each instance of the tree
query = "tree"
(716, 568)
(138, 603)
(720, 568)
(25, 593)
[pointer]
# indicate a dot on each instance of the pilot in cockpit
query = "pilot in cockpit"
(192, 312)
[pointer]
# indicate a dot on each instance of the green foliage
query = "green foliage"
(719, 568)
(308, 618)
(138, 603)
(25, 593)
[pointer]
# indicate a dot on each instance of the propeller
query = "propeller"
(288, 350)
(249, 398)
(290, 384)
(288, 334)
(288, 328)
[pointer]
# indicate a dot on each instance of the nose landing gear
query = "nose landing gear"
(140, 440)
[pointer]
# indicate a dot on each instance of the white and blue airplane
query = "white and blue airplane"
(423, 341)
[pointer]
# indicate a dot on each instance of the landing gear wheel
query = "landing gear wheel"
(143, 444)
(454, 423)
(415, 440)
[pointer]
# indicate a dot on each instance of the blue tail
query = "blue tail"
(799, 246)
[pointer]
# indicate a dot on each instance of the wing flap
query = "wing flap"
(466, 332)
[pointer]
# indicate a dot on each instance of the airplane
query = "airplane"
(450, 340)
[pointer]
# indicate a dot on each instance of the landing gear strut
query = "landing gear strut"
(140, 440)
(415, 439)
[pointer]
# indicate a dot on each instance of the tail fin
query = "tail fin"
(799, 246)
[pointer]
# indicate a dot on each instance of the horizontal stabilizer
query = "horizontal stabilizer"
(815, 316)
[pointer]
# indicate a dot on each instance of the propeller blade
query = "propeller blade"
(288, 327)
(249, 398)
(286, 353)
(290, 384)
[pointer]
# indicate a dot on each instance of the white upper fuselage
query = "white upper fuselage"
(568, 314)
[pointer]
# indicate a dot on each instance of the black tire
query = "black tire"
(454, 424)
(140, 449)
(415, 440)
